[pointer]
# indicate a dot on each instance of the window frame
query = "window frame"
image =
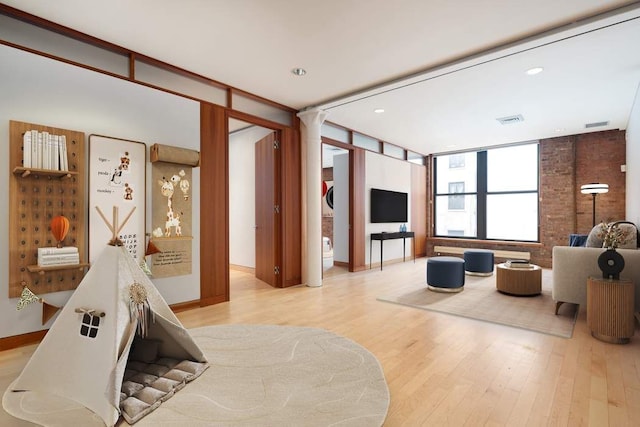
(482, 193)
(456, 196)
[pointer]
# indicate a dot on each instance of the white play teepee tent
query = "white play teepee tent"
(84, 355)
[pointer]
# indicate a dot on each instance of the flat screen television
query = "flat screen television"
(388, 206)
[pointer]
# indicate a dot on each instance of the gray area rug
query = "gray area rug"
(259, 375)
(481, 301)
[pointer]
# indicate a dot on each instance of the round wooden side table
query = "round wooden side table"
(610, 309)
(519, 281)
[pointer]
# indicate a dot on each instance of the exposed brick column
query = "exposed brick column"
(557, 195)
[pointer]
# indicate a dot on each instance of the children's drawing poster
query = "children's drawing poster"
(171, 228)
(117, 178)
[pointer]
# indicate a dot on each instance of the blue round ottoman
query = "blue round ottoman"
(445, 274)
(478, 262)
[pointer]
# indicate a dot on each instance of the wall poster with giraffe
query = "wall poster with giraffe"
(171, 227)
(117, 182)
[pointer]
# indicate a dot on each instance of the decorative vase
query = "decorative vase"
(611, 263)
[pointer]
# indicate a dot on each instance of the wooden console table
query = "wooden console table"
(610, 309)
(391, 236)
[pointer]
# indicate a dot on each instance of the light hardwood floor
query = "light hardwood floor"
(442, 369)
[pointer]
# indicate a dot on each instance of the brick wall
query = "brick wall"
(598, 159)
(566, 163)
(557, 196)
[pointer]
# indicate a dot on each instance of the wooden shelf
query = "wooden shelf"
(25, 172)
(42, 270)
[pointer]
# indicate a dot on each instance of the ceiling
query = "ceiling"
(443, 71)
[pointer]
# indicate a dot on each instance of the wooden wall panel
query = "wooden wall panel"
(214, 205)
(37, 196)
(419, 207)
(291, 208)
(357, 220)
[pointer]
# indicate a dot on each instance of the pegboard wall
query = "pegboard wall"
(36, 196)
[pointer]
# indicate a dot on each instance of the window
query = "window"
(456, 161)
(416, 158)
(90, 324)
(456, 201)
(512, 193)
(494, 196)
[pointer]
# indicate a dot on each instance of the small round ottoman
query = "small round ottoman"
(478, 262)
(445, 274)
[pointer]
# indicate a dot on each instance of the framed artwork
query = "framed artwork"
(117, 179)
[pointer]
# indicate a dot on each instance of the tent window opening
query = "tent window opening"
(90, 324)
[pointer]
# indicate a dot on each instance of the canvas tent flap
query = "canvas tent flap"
(68, 363)
(83, 357)
(117, 374)
(173, 341)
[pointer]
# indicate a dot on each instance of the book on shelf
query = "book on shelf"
(57, 251)
(518, 263)
(34, 148)
(43, 150)
(55, 143)
(56, 262)
(58, 259)
(60, 256)
(46, 150)
(63, 257)
(26, 149)
(38, 163)
(64, 161)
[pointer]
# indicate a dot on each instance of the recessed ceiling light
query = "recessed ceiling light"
(378, 110)
(299, 71)
(534, 71)
(559, 130)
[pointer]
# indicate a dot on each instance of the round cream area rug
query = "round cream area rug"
(259, 375)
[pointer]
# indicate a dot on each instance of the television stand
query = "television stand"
(392, 236)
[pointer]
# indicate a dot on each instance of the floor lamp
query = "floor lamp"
(594, 189)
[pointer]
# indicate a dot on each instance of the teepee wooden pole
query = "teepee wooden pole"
(126, 219)
(104, 218)
(115, 223)
(113, 226)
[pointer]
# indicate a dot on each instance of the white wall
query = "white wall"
(341, 207)
(39, 90)
(387, 174)
(242, 195)
(633, 163)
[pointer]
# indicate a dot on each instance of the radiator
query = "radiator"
(496, 253)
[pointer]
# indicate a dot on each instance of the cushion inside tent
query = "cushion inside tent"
(151, 377)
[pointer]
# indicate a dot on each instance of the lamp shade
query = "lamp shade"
(594, 188)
